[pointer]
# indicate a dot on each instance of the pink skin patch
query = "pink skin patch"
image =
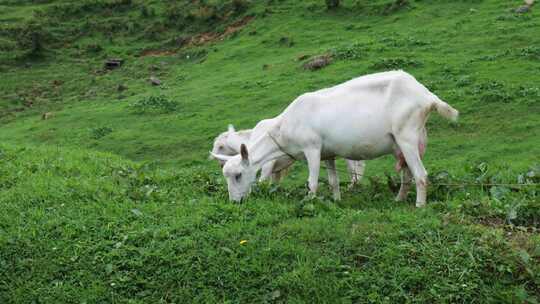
(401, 159)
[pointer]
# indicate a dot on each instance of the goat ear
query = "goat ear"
(231, 129)
(220, 157)
(244, 153)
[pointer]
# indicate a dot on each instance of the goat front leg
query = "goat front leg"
(313, 158)
(266, 171)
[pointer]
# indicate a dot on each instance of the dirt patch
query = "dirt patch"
(318, 62)
(495, 222)
(500, 223)
(203, 38)
(238, 25)
(157, 53)
(210, 36)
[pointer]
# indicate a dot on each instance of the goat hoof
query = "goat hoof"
(400, 198)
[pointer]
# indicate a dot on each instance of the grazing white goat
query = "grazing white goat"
(361, 119)
(228, 143)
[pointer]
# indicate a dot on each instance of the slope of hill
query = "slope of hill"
(478, 57)
(111, 198)
(90, 227)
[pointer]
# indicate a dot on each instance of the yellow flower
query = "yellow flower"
(242, 242)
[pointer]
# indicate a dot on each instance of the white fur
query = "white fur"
(361, 119)
(228, 144)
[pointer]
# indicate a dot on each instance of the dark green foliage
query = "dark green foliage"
(61, 24)
(464, 81)
(194, 55)
(286, 41)
(30, 39)
(7, 45)
(394, 6)
(494, 92)
(395, 63)
(382, 7)
(530, 93)
(513, 17)
(332, 4)
(239, 6)
(67, 11)
(160, 104)
(531, 52)
(403, 42)
(93, 48)
(147, 12)
(351, 52)
(99, 132)
(189, 14)
(511, 200)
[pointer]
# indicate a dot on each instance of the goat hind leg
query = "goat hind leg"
(411, 153)
(406, 178)
(356, 169)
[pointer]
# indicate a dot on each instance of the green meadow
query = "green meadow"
(107, 194)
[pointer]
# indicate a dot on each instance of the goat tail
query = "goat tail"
(444, 109)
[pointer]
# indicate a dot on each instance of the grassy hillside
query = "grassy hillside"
(91, 227)
(112, 198)
(478, 57)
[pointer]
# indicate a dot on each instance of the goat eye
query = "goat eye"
(237, 177)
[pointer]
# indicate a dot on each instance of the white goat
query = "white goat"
(229, 142)
(361, 119)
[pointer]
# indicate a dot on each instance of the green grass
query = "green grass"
(92, 227)
(232, 76)
(113, 199)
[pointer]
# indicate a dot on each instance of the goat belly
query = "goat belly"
(360, 149)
